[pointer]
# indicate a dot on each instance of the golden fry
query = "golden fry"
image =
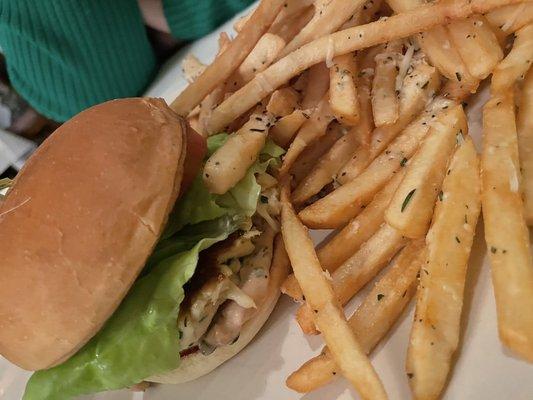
(372, 320)
(364, 265)
(524, 127)
(436, 327)
(411, 208)
(343, 98)
(347, 241)
(385, 103)
(516, 63)
(417, 89)
(229, 163)
(506, 231)
(329, 316)
(228, 61)
(348, 40)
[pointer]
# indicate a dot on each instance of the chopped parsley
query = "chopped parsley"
(408, 199)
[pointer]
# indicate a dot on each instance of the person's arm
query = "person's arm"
(64, 56)
(191, 19)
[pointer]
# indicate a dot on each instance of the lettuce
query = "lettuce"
(141, 337)
(199, 205)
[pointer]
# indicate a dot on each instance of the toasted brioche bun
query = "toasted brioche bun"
(80, 221)
(196, 365)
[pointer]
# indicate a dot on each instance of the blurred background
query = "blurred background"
(22, 129)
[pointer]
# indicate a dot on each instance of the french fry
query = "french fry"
(436, 327)
(524, 127)
(364, 15)
(329, 316)
(223, 43)
(372, 320)
(345, 202)
(477, 45)
(326, 167)
(280, 261)
(456, 91)
(385, 103)
(293, 7)
(437, 44)
(506, 231)
(213, 99)
(418, 86)
(192, 67)
(194, 123)
(360, 268)
(365, 126)
(509, 19)
(227, 62)
(283, 102)
(229, 163)
(207, 106)
(411, 207)
(195, 113)
(300, 83)
(304, 317)
(328, 18)
(417, 89)
(343, 90)
(285, 128)
(373, 255)
(516, 63)
(239, 24)
(389, 296)
(287, 28)
(262, 55)
(317, 86)
(347, 241)
(310, 131)
(348, 40)
(307, 159)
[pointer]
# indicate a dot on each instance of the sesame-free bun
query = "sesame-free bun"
(80, 221)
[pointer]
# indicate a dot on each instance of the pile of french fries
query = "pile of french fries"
(367, 97)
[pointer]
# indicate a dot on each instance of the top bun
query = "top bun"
(79, 223)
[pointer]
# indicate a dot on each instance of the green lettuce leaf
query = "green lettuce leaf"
(141, 337)
(215, 142)
(199, 205)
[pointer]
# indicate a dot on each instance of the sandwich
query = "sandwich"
(118, 264)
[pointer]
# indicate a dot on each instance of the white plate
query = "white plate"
(483, 368)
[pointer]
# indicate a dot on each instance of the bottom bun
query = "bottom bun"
(196, 365)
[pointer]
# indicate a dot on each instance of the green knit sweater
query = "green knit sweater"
(66, 55)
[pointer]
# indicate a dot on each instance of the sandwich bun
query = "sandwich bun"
(79, 222)
(196, 365)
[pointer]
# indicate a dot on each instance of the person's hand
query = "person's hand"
(153, 15)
